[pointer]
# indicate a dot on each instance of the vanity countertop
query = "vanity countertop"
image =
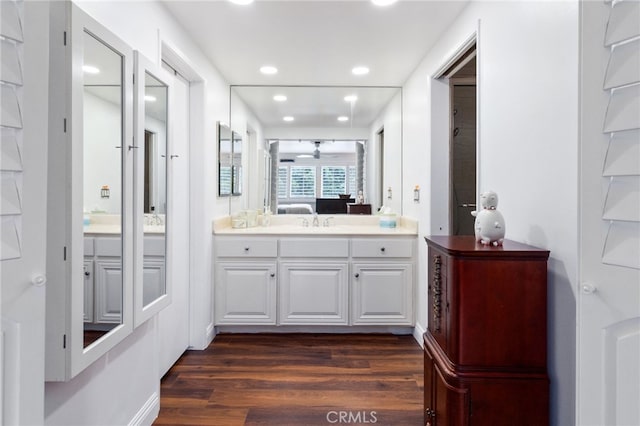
(105, 229)
(340, 225)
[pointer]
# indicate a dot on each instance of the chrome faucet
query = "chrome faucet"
(316, 223)
(305, 222)
(326, 222)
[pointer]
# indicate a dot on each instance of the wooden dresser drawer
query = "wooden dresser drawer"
(246, 247)
(381, 247)
(314, 247)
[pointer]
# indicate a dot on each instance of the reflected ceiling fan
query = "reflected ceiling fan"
(316, 153)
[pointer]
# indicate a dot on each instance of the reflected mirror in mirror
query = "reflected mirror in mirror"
(155, 189)
(236, 177)
(102, 187)
(333, 147)
(225, 160)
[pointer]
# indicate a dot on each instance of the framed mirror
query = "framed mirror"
(152, 290)
(225, 160)
(236, 162)
(89, 208)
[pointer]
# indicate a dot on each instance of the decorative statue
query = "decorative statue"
(360, 198)
(489, 225)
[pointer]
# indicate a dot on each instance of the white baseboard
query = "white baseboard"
(148, 412)
(418, 332)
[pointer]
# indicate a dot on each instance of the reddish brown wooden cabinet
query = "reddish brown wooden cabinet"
(485, 360)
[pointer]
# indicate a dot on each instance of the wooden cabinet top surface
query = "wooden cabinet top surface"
(467, 246)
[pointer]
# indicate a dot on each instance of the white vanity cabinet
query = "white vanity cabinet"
(382, 281)
(313, 285)
(320, 280)
(245, 290)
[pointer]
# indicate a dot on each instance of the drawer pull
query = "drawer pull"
(382, 249)
(273, 274)
(437, 291)
(357, 275)
(246, 249)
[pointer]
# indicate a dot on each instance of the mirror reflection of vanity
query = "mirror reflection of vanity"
(107, 204)
(317, 156)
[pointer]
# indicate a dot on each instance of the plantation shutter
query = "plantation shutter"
(621, 168)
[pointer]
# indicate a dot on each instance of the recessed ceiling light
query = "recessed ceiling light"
(242, 2)
(149, 98)
(343, 118)
(383, 2)
(351, 98)
(360, 70)
(287, 118)
(268, 69)
(279, 98)
(90, 69)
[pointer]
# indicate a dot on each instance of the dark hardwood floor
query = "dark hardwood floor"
(296, 379)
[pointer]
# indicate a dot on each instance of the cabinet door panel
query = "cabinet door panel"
(451, 403)
(313, 293)
(245, 293)
(382, 293)
(153, 280)
(108, 291)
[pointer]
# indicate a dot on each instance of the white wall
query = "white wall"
(528, 135)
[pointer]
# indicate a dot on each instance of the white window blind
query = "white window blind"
(334, 181)
(283, 174)
(302, 182)
(353, 188)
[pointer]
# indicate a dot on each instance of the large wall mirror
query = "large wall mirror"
(323, 143)
(151, 124)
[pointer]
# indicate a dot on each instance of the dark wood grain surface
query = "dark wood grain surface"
(296, 379)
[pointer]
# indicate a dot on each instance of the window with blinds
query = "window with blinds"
(352, 184)
(334, 181)
(283, 174)
(303, 182)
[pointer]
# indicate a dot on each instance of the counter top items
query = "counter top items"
(328, 225)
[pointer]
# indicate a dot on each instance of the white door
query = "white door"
(174, 319)
(23, 189)
(608, 373)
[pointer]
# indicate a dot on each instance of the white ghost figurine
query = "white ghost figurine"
(489, 226)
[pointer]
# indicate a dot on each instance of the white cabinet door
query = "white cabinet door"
(108, 291)
(314, 293)
(245, 293)
(382, 294)
(153, 279)
(88, 290)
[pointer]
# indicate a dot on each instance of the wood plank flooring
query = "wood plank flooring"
(296, 379)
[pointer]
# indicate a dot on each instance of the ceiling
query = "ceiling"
(314, 43)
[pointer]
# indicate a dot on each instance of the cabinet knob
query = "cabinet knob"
(273, 274)
(87, 273)
(246, 249)
(357, 275)
(39, 280)
(382, 249)
(588, 288)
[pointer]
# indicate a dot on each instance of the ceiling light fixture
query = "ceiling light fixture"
(351, 98)
(149, 98)
(268, 69)
(241, 2)
(288, 118)
(279, 98)
(90, 69)
(360, 70)
(383, 2)
(343, 118)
